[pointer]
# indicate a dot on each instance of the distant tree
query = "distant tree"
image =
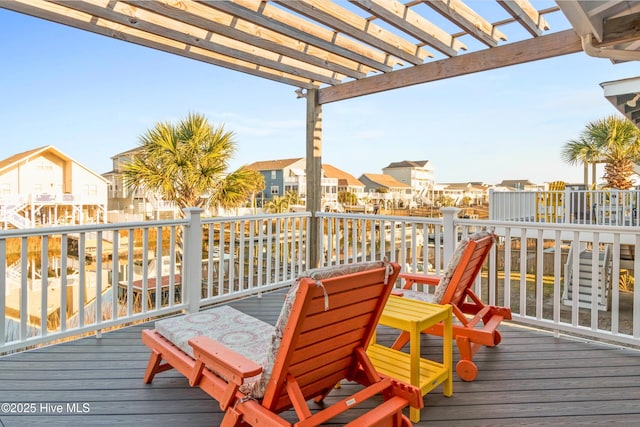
(612, 140)
(347, 198)
(257, 186)
(277, 205)
(583, 151)
(445, 201)
(292, 198)
(232, 192)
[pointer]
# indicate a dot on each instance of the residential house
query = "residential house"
(346, 181)
(418, 174)
(44, 187)
(284, 175)
(126, 204)
(472, 193)
(280, 176)
(386, 190)
(517, 185)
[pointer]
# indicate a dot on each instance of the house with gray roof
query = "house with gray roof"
(418, 174)
(386, 190)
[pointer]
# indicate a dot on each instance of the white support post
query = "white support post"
(191, 259)
(567, 206)
(449, 215)
(492, 201)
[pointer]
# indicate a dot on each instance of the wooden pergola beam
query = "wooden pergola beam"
(557, 44)
(280, 21)
(129, 15)
(217, 22)
(347, 22)
(63, 15)
(464, 17)
(402, 17)
(523, 12)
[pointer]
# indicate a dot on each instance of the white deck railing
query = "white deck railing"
(59, 282)
(576, 279)
(601, 207)
(532, 269)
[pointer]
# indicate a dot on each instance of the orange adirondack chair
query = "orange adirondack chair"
(320, 338)
(478, 322)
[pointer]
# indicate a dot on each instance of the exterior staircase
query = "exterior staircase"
(584, 283)
(9, 214)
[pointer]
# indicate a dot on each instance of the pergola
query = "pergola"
(332, 50)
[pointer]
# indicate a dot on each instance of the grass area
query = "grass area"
(515, 276)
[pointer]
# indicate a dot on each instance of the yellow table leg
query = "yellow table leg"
(447, 356)
(414, 353)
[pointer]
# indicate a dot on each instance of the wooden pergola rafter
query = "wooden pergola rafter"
(309, 44)
(331, 50)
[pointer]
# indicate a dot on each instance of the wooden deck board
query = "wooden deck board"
(531, 378)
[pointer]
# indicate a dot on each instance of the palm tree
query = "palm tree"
(187, 163)
(612, 140)
(277, 205)
(233, 191)
(582, 150)
(292, 197)
(621, 141)
(347, 198)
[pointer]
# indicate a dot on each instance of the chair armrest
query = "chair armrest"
(224, 361)
(421, 279)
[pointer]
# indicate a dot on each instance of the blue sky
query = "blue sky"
(92, 97)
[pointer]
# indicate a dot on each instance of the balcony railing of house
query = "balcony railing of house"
(68, 281)
(64, 199)
(569, 206)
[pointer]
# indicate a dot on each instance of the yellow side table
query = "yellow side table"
(414, 316)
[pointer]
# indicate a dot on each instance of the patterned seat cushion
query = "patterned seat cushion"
(240, 332)
(419, 295)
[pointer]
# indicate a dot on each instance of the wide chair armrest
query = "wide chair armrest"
(419, 279)
(224, 361)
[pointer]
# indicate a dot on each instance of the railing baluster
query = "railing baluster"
(539, 275)
(636, 291)
(44, 288)
(557, 266)
(615, 290)
(3, 293)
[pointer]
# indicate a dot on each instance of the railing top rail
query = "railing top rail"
(418, 219)
(547, 226)
(76, 229)
(207, 220)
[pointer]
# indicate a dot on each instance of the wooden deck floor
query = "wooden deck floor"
(532, 378)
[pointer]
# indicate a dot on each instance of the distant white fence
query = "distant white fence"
(601, 207)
